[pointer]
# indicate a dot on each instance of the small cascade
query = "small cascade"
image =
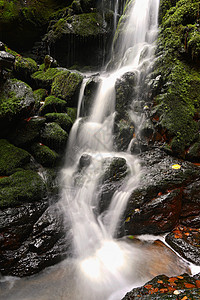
(102, 262)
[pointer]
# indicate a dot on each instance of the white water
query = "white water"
(103, 263)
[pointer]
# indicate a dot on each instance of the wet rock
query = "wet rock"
(193, 154)
(16, 102)
(116, 170)
(44, 79)
(66, 86)
(163, 287)
(16, 223)
(124, 92)
(159, 215)
(6, 60)
(44, 155)
(78, 39)
(24, 68)
(20, 187)
(54, 137)
(62, 119)
(2, 46)
(11, 158)
(185, 241)
(159, 183)
(27, 131)
(85, 161)
(124, 131)
(53, 105)
(89, 93)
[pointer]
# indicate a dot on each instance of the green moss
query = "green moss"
(15, 97)
(11, 158)
(66, 85)
(62, 119)
(44, 79)
(40, 95)
(25, 66)
(22, 186)
(54, 137)
(44, 155)
(72, 112)
(53, 104)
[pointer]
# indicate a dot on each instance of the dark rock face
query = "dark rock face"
(156, 205)
(32, 238)
(6, 60)
(16, 102)
(185, 241)
(163, 287)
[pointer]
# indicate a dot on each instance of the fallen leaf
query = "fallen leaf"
(163, 290)
(184, 298)
(176, 292)
(148, 286)
(180, 277)
(178, 236)
(187, 233)
(189, 285)
(176, 167)
(153, 291)
(198, 283)
(159, 281)
(172, 279)
(160, 194)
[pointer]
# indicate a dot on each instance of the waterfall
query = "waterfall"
(103, 263)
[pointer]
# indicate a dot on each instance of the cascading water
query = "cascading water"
(103, 264)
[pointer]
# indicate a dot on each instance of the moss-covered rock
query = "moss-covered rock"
(16, 102)
(53, 105)
(177, 90)
(43, 79)
(72, 112)
(66, 86)
(22, 186)
(61, 119)
(24, 67)
(22, 23)
(54, 136)
(40, 95)
(11, 158)
(44, 155)
(27, 131)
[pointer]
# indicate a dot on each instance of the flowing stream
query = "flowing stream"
(102, 267)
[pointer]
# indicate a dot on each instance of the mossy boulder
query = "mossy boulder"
(77, 39)
(44, 155)
(43, 79)
(40, 95)
(11, 158)
(53, 105)
(54, 136)
(16, 102)
(22, 23)
(62, 119)
(24, 67)
(176, 95)
(66, 86)
(72, 112)
(27, 131)
(22, 186)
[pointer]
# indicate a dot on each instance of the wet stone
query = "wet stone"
(186, 241)
(181, 287)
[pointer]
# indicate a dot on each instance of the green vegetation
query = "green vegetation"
(22, 186)
(11, 158)
(44, 155)
(54, 136)
(62, 119)
(53, 104)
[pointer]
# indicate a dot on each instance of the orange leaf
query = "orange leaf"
(160, 194)
(178, 236)
(163, 290)
(189, 285)
(152, 291)
(148, 286)
(159, 281)
(184, 298)
(198, 283)
(171, 288)
(180, 277)
(187, 233)
(172, 279)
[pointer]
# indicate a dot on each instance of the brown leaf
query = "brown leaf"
(153, 291)
(198, 283)
(189, 285)
(163, 290)
(187, 233)
(159, 281)
(148, 286)
(178, 236)
(184, 298)
(180, 277)
(172, 279)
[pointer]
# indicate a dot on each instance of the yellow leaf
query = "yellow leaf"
(176, 167)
